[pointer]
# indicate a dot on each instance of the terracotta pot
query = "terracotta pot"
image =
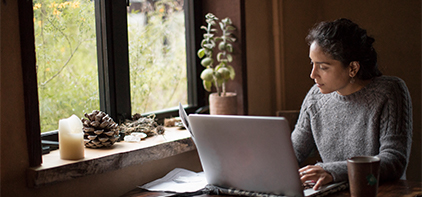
(223, 105)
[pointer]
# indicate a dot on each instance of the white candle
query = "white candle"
(71, 138)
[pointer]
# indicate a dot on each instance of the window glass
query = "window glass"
(66, 58)
(157, 54)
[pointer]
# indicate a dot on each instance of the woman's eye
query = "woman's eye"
(323, 68)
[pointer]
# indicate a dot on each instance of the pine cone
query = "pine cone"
(99, 130)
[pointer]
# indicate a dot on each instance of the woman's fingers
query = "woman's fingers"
(303, 171)
(318, 184)
(316, 174)
(309, 172)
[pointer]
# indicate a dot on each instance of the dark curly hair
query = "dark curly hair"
(345, 41)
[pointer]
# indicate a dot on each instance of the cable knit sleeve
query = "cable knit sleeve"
(395, 132)
(302, 139)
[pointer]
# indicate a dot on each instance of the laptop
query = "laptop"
(250, 153)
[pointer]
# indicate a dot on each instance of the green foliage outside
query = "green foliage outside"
(66, 55)
(65, 42)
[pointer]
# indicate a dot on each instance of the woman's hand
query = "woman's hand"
(315, 173)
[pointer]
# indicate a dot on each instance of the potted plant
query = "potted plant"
(217, 73)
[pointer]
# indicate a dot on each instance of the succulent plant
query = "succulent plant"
(220, 73)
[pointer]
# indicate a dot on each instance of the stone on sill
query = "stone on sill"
(131, 138)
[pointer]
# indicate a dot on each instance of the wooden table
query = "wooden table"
(388, 189)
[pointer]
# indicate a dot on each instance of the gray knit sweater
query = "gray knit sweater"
(376, 120)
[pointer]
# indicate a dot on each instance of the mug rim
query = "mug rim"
(364, 159)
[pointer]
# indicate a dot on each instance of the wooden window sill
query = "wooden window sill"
(118, 156)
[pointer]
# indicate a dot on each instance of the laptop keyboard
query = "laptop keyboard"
(308, 184)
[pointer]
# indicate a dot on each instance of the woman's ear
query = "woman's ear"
(354, 67)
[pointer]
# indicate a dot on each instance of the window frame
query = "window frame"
(113, 58)
(113, 65)
(29, 73)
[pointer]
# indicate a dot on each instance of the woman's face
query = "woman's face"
(329, 74)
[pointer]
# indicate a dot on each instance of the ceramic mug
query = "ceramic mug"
(363, 174)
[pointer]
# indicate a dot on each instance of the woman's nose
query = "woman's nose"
(313, 73)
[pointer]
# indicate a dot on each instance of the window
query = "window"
(116, 65)
(65, 40)
(112, 59)
(157, 54)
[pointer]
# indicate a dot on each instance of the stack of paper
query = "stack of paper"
(179, 181)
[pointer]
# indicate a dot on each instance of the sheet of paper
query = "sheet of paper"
(178, 180)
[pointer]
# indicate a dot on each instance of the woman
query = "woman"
(352, 110)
